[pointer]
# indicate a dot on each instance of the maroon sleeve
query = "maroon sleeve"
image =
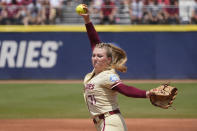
(92, 35)
(130, 91)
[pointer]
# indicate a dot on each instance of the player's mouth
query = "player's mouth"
(95, 63)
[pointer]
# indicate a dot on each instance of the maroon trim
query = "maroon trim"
(130, 91)
(102, 116)
(115, 84)
(92, 35)
(104, 125)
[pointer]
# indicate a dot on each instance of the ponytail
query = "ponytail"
(117, 54)
(119, 58)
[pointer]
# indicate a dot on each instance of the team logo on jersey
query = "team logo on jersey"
(89, 86)
(113, 78)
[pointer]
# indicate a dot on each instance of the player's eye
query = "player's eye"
(93, 55)
(100, 56)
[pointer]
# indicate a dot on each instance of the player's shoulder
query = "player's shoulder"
(88, 77)
(110, 74)
(108, 78)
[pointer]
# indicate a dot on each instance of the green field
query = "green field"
(66, 101)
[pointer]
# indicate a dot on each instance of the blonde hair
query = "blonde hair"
(117, 54)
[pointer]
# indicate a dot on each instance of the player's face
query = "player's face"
(100, 60)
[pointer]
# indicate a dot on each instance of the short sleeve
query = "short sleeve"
(110, 81)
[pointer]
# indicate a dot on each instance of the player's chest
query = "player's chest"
(92, 86)
(95, 85)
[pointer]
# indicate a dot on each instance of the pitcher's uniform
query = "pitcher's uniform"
(102, 102)
(100, 93)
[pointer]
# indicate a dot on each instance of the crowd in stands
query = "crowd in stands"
(38, 12)
(194, 14)
(156, 12)
(142, 11)
(29, 12)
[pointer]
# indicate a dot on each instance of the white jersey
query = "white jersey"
(98, 93)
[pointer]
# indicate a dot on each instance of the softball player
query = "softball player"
(103, 83)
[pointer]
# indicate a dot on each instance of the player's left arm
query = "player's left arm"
(130, 91)
(116, 84)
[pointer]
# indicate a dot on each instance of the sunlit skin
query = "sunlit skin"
(100, 61)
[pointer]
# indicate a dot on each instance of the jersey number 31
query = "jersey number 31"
(92, 99)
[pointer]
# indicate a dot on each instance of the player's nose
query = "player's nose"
(95, 58)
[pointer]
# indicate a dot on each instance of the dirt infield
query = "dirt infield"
(87, 125)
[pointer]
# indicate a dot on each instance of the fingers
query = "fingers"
(86, 10)
(85, 6)
(85, 14)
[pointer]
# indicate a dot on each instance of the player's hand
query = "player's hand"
(85, 7)
(86, 16)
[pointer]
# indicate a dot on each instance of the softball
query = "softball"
(80, 9)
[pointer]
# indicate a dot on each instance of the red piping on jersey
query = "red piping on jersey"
(87, 103)
(130, 91)
(115, 84)
(104, 125)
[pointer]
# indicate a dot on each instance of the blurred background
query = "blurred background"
(39, 12)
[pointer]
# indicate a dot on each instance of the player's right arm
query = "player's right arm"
(92, 34)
